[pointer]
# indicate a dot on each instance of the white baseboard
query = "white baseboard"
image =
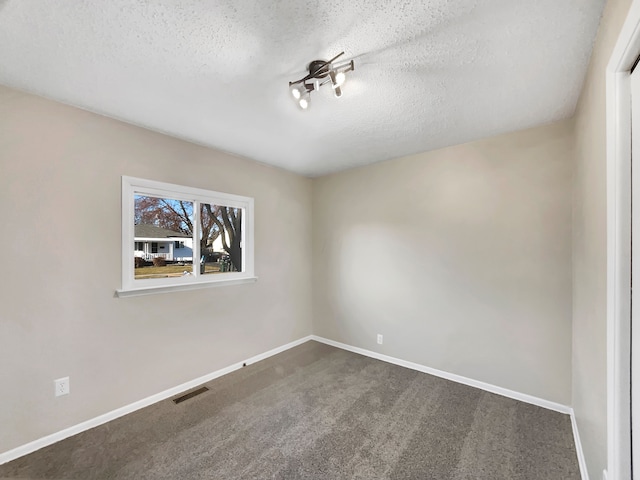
(145, 402)
(584, 474)
(523, 397)
(119, 412)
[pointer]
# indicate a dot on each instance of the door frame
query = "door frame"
(618, 76)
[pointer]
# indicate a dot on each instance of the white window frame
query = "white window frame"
(132, 186)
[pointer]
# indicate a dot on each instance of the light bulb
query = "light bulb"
(337, 91)
(295, 91)
(304, 103)
(340, 78)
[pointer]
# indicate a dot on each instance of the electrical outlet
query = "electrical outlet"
(62, 386)
(379, 339)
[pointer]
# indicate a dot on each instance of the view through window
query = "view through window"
(164, 232)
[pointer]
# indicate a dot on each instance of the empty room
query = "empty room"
(318, 240)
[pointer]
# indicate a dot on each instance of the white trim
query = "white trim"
(523, 397)
(582, 463)
(145, 402)
(134, 292)
(618, 245)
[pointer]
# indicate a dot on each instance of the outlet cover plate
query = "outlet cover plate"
(62, 386)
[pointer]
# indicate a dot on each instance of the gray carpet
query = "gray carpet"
(317, 412)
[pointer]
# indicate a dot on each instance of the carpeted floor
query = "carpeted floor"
(317, 412)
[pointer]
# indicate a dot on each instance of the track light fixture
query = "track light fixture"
(321, 72)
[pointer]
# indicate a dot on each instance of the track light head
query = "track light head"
(335, 83)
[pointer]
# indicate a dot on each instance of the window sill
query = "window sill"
(134, 292)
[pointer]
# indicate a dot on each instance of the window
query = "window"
(183, 237)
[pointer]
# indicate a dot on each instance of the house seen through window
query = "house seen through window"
(164, 231)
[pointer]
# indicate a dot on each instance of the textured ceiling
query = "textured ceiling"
(428, 73)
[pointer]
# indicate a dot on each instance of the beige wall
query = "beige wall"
(460, 257)
(590, 247)
(60, 172)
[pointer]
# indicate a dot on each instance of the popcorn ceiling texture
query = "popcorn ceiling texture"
(428, 73)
